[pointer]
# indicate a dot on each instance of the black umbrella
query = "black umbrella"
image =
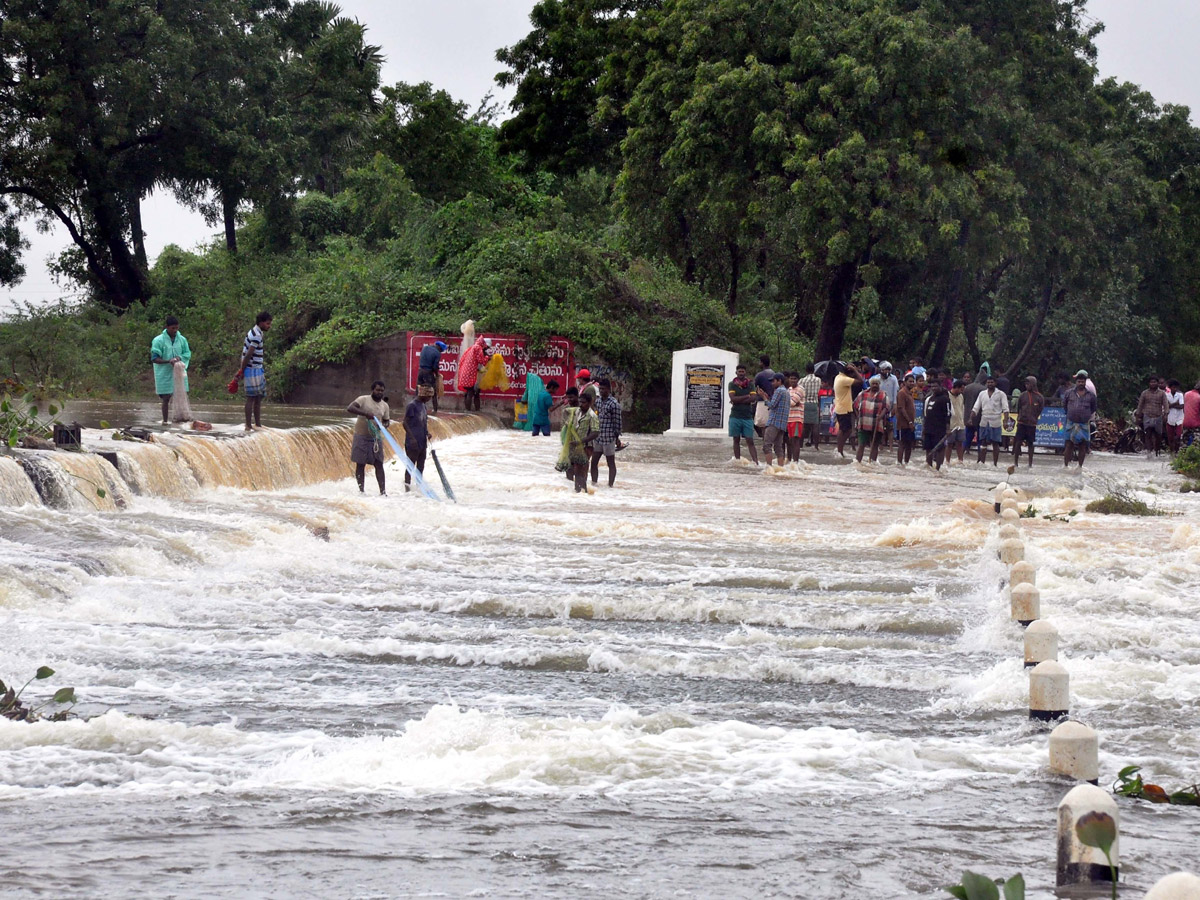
(828, 369)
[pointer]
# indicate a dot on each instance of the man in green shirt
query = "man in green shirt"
(167, 349)
(741, 413)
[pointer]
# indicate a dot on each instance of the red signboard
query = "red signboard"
(555, 361)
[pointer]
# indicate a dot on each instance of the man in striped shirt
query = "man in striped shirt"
(254, 380)
(778, 404)
(811, 385)
(608, 411)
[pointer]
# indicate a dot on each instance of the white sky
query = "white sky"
(452, 43)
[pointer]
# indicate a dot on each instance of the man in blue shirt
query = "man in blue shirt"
(428, 365)
(165, 350)
(778, 405)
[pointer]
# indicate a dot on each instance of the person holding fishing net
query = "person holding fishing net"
(170, 355)
(367, 447)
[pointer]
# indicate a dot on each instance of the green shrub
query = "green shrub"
(1187, 461)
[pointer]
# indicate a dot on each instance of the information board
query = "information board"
(705, 397)
(554, 361)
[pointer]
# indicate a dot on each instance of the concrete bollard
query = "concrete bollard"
(1049, 692)
(1010, 515)
(1011, 551)
(1041, 643)
(1026, 604)
(1022, 573)
(1075, 751)
(1077, 862)
(1009, 532)
(1179, 886)
(1008, 494)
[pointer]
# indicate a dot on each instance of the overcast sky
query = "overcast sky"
(453, 43)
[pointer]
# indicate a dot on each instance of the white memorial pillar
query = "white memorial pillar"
(700, 391)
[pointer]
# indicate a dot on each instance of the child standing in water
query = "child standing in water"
(580, 429)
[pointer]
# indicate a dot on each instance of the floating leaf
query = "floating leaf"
(101, 493)
(52, 409)
(1097, 829)
(980, 887)
(1014, 888)
(1129, 771)
(64, 695)
(43, 672)
(1155, 794)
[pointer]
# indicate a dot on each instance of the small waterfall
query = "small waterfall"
(154, 470)
(15, 487)
(178, 466)
(80, 481)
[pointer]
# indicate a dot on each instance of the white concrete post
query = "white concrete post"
(1011, 551)
(1075, 751)
(1077, 862)
(1179, 886)
(1026, 603)
(1009, 532)
(1010, 515)
(1022, 573)
(1049, 692)
(1041, 643)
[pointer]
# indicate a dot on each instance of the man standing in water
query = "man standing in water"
(1151, 414)
(843, 404)
(167, 349)
(991, 405)
(367, 448)
(906, 420)
(873, 417)
(778, 404)
(608, 412)
(811, 385)
(762, 382)
(1029, 409)
(1081, 406)
(254, 379)
(938, 411)
(416, 433)
(741, 413)
(958, 426)
(580, 428)
(428, 365)
(890, 385)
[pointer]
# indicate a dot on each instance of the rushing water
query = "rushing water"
(707, 682)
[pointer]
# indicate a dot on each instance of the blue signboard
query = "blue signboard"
(1052, 428)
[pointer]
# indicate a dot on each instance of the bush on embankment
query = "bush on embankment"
(376, 258)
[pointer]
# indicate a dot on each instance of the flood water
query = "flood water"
(706, 682)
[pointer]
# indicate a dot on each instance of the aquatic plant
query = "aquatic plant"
(1187, 461)
(1122, 505)
(12, 707)
(1130, 784)
(1099, 829)
(979, 887)
(20, 417)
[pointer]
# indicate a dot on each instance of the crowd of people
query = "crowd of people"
(873, 407)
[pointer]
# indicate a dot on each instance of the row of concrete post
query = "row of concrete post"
(1074, 747)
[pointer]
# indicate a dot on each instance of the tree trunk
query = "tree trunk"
(735, 275)
(689, 258)
(837, 312)
(229, 207)
(130, 280)
(1048, 297)
(937, 356)
(135, 231)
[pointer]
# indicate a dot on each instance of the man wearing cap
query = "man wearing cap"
(1087, 382)
(873, 416)
(367, 447)
(1081, 407)
(586, 386)
(428, 365)
(890, 385)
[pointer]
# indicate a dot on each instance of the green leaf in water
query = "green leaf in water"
(101, 493)
(1014, 888)
(64, 695)
(43, 672)
(1097, 829)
